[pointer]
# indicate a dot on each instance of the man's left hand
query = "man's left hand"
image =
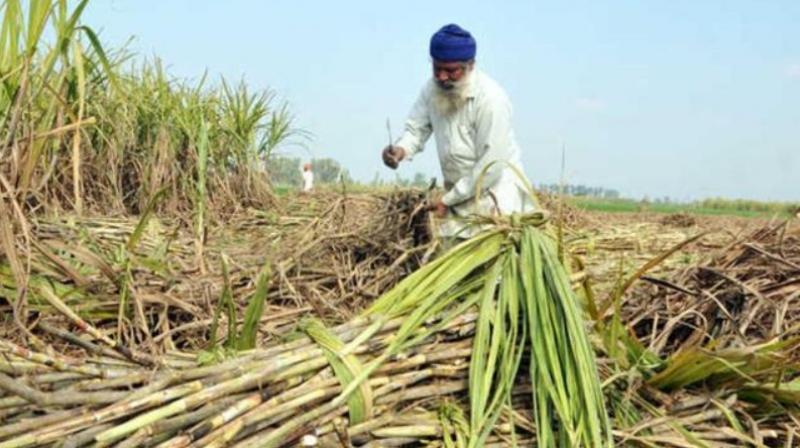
(439, 209)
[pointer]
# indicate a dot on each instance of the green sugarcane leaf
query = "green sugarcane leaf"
(346, 368)
(253, 312)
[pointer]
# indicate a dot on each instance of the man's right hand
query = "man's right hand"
(393, 155)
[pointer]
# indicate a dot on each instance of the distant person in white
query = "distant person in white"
(308, 178)
(469, 115)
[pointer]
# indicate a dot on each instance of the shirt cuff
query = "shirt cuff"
(407, 143)
(451, 198)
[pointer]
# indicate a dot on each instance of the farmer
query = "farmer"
(469, 115)
(308, 178)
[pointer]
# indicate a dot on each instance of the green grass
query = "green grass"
(283, 190)
(720, 207)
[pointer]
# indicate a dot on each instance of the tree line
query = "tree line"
(581, 190)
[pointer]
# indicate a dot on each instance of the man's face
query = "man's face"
(448, 74)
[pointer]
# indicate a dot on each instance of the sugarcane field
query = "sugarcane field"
(189, 258)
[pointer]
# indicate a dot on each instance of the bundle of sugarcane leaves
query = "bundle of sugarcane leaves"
(493, 316)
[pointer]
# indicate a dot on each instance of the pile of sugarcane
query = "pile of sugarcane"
(95, 400)
(746, 295)
(610, 251)
(719, 342)
(146, 281)
(484, 346)
(468, 321)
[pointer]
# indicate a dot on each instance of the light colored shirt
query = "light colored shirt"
(468, 140)
(308, 180)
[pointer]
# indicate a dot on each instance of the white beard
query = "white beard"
(448, 102)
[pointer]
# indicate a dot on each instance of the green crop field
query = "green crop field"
(706, 207)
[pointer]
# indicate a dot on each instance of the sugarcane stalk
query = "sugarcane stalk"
(8, 430)
(62, 398)
(55, 432)
(85, 437)
(166, 428)
(52, 362)
(415, 431)
(227, 433)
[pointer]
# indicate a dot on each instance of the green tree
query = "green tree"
(284, 171)
(328, 171)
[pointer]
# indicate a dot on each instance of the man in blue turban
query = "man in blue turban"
(469, 115)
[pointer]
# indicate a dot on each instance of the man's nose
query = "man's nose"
(441, 75)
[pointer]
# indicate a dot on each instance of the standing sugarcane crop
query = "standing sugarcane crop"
(469, 115)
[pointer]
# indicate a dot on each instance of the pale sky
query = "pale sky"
(685, 98)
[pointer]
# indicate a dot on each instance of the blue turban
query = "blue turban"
(452, 43)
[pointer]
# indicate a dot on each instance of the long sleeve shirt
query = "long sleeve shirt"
(308, 180)
(468, 140)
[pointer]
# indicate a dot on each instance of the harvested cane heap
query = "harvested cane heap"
(329, 254)
(472, 318)
(484, 346)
